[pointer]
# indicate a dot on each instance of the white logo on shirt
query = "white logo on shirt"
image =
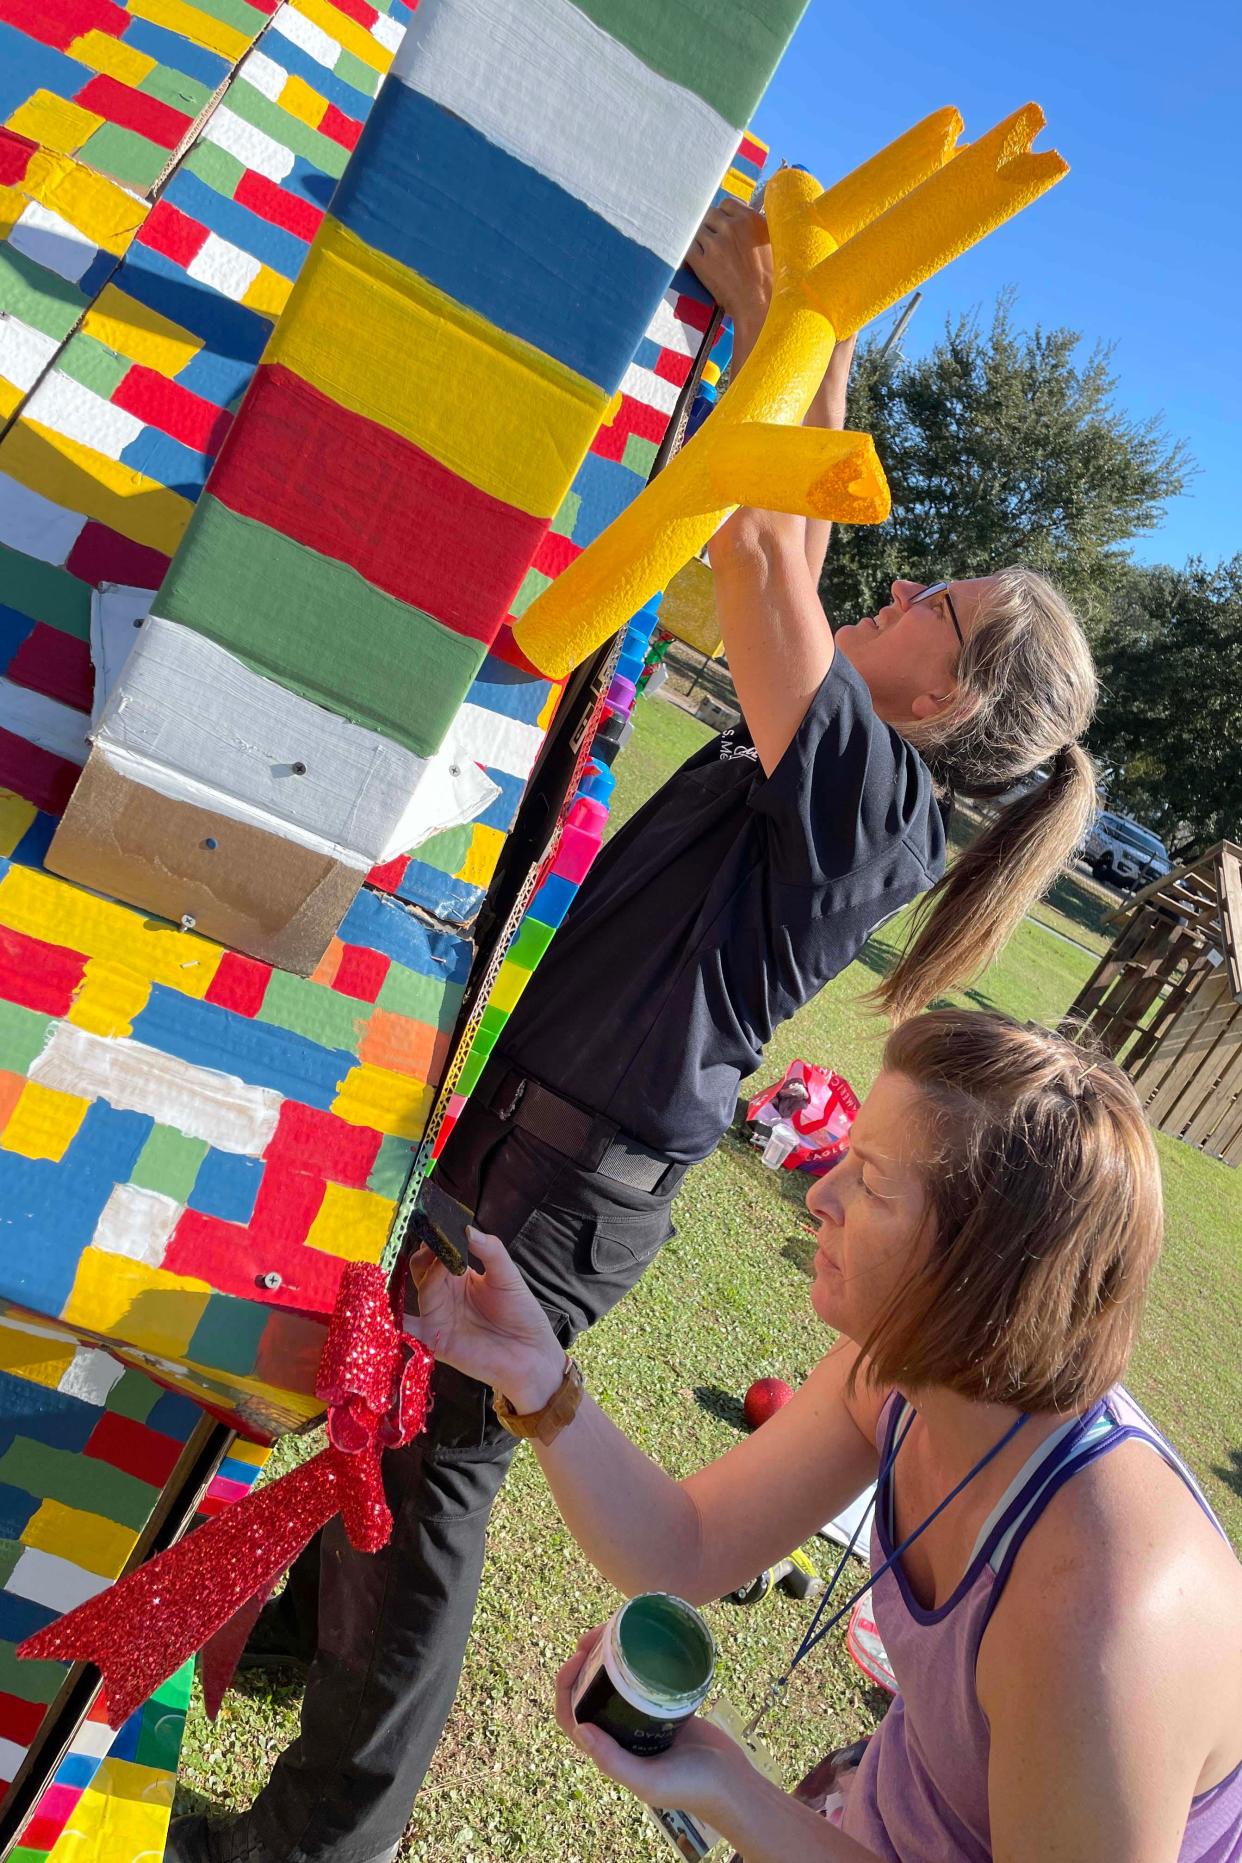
(728, 749)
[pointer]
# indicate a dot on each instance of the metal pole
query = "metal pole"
(899, 328)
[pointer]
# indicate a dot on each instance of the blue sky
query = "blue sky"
(1140, 245)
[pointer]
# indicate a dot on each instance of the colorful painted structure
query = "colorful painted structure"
(198, 1130)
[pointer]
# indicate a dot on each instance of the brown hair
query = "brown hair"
(1026, 690)
(1044, 1204)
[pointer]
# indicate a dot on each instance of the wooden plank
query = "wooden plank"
(1231, 917)
(1149, 892)
(1222, 1093)
(1203, 1078)
(1195, 1033)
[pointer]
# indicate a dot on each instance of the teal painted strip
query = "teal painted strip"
(723, 50)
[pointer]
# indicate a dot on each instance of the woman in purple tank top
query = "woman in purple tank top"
(1066, 1633)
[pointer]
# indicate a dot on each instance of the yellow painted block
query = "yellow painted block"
(346, 32)
(253, 1454)
(43, 1122)
(352, 1224)
(740, 186)
(35, 1357)
(44, 907)
(147, 1308)
(541, 417)
(55, 122)
(109, 997)
(508, 987)
(267, 292)
(100, 1545)
(81, 479)
(101, 52)
(16, 815)
(179, 16)
(484, 851)
(143, 335)
(10, 398)
(711, 373)
(100, 208)
(547, 711)
(387, 1102)
(122, 1816)
(301, 101)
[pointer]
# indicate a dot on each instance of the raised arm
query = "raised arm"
(638, 1526)
(766, 565)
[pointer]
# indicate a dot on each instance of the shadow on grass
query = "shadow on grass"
(721, 1404)
(799, 1251)
(1231, 1476)
(1083, 905)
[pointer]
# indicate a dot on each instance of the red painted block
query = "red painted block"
(239, 984)
(673, 368)
(103, 555)
(40, 776)
(387, 879)
(692, 311)
(232, 1258)
(134, 1448)
(359, 10)
(555, 553)
(42, 1832)
(387, 509)
(339, 127)
(634, 417)
(309, 1141)
(752, 151)
(60, 22)
(361, 972)
(169, 231)
(15, 154)
(175, 410)
(56, 664)
(20, 1720)
(276, 205)
(37, 975)
(130, 109)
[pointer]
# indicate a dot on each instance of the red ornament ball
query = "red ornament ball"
(765, 1397)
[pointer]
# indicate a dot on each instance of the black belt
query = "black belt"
(585, 1138)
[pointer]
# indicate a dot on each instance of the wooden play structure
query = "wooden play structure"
(1166, 1002)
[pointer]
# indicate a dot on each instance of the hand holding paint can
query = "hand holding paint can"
(650, 1670)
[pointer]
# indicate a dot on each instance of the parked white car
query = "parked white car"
(1124, 854)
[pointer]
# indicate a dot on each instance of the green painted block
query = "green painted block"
(313, 1010)
(23, 1033)
(29, 1681)
(566, 519)
(533, 583)
(134, 1395)
(493, 1020)
(169, 1162)
(447, 851)
(93, 364)
(125, 156)
(44, 592)
(485, 1040)
(723, 50)
(36, 296)
(471, 1071)
(216, 167)
(78, 1481)
(639, 455)
(289, 131)
(235, 13)
(284, 610)
(409, 993)
(176, 90)
(163, 1721)
(10, 1552)
(530, 944)
(351, 70)
(227, 1337)
(393, 1163)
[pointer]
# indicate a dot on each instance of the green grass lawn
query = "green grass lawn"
(726, 1302)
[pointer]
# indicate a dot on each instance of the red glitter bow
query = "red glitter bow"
(207, 1590)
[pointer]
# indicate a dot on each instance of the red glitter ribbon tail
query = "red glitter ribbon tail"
(223, 1649)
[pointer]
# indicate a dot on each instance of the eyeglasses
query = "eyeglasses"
(934, 592)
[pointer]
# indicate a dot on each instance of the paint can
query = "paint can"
(651, 1669)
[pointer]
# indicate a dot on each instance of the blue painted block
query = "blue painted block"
(553, 899)
(170, 48)
(271, 245)
(181, 468)
(440, 894)
(17, 1508)
(501, 812)
(383, 924)
(31, 850)
(21, 1617)
(27, 66)
(226, 1185)
(261, 1053)
(347, 97)
(499, 687)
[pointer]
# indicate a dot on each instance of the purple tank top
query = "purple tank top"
(921, 1793)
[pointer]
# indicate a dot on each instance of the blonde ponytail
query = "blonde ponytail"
(1026, 689)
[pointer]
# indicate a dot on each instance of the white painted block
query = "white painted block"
(649, 388)
(265, 74)
(24, 353)
(78, 413)
(52, 241)
(229, 1113)
(303, 32)
(34, 525)
(389, 32)
(136, 1223)
(225, 267)
(251, 146)
(91, 1376)
(48, 1580)
(43, 721)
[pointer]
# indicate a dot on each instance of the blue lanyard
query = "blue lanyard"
(816, 1632)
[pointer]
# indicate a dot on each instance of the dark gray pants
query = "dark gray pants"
(392, 1626)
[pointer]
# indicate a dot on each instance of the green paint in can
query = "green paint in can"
(651, 1669)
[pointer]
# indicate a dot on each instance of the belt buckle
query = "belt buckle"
(506, 1112)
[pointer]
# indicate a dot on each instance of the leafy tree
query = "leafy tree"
(1169, 729)
(1002, 446)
